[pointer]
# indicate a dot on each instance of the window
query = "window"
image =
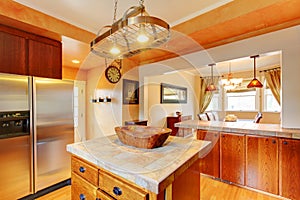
(270, 103)
(241, 101)
(214, 103)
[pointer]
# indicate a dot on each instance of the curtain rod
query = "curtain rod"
(210, 76)
(266, 70)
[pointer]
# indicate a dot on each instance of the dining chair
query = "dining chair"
(258, 117)
(203, 117)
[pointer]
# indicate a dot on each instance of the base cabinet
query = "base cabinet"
(118, 189)
(233, 158)
(92, 183)
(262, 163)
(81, 189)
(210, 163)
(289, 173)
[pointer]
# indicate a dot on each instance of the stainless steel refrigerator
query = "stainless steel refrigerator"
(36, 124)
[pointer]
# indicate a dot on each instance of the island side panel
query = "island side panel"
(187, 185)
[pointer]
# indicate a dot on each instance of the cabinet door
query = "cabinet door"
(82, 189)
(12, 53)
(233, 158)
(45, 59)
(262, 163)
(103, 196)
(210, 164)
(289, 173)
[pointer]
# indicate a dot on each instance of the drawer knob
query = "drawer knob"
(285, 142)
(82, 169)
(82, 197)
(117, 191)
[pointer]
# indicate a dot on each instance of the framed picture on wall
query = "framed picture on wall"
(130, 92)
(172, 94)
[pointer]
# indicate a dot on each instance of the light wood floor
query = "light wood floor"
(210, 190)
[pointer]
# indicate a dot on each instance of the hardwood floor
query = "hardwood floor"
(61, 194)
(216, 190)
(210, 190)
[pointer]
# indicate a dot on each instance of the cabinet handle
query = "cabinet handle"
(274, 141)
(82, 169)
(117, 191)
(216, 135)
(285, 142)
(82, 197)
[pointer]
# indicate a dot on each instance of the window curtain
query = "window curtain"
(206, 96)
(273, 81)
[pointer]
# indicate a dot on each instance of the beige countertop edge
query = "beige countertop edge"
(248, 128)
(142, 180)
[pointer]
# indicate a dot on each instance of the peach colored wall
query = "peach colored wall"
(103, 117)
(74, 73)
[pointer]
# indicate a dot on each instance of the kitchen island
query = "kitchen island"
(104, 168)
(265, 157)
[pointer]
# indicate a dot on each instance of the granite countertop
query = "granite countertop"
(242, 127)
(144, 167)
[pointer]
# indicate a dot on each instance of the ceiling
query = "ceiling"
(91, 15)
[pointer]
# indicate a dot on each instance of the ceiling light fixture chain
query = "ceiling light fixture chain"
(141, 2)
(115, 11)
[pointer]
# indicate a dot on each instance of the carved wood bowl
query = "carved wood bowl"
(146, 137)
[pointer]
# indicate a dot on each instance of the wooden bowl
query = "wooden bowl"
(146, 137)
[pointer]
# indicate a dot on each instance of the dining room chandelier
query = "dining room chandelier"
(135, 32)
(231, 83)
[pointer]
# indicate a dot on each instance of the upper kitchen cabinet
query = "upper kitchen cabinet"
(28, 54)
(12, 51)
(45, 58)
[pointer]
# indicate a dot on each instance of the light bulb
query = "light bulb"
(114, 50)
(142, 37)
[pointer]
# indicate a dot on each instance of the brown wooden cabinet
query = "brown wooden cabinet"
(262, 163)
(92, 182)
(181, 132)
(170, 123)
(28, 54)
(210, 164)
(44, 58)
(12, 52)
(232, 157)
(289, 165)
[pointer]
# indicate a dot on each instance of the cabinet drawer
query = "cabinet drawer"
(85, 170)
(120, 189)
(81, 189)
(103, 196)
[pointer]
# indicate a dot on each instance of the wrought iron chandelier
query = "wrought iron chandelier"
(231, 83)
(135, 32)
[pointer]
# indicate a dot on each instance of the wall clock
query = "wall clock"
(113, 73)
